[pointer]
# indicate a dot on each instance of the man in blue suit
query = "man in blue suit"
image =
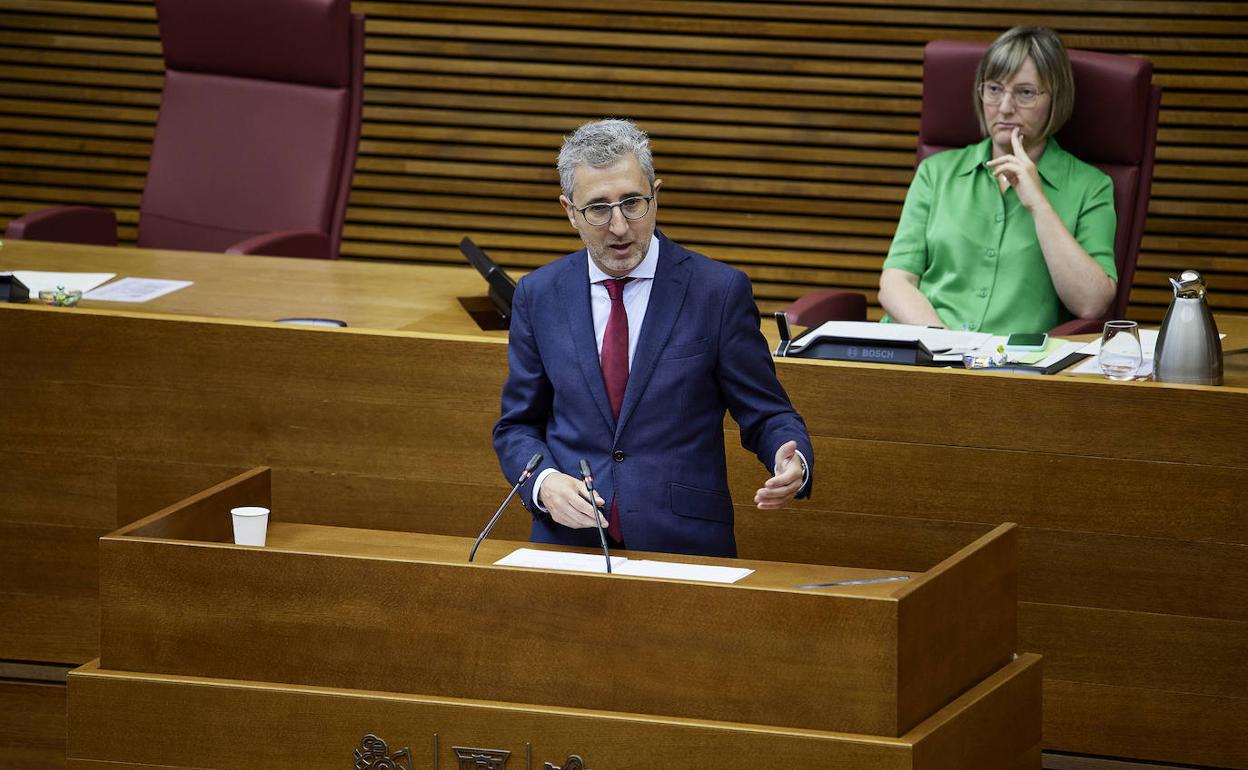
(627, 354)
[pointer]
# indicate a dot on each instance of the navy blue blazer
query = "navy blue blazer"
(700, 352)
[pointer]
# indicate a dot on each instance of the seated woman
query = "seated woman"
(1012, 234)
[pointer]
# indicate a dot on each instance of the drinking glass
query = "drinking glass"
(1120, 355)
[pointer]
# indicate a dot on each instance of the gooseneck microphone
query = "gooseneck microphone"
(534, 461)
(588, 478)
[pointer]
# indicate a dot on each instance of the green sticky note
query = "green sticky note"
(1052, 345)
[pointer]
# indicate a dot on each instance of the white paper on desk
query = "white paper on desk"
(42, 280)
(706, 573)
(1148, 343)
(136, 289)
(621, 565)
(573, 562)
(945, 340)
(1093, 366)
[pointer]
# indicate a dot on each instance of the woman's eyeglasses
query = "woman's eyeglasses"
(1024, 96)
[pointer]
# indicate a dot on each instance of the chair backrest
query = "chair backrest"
(1113, 127)
(259, 121)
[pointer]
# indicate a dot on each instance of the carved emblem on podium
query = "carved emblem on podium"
(571, 763)
(373, 754)
(481, 759)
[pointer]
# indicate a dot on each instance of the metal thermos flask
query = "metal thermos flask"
(1188, 347)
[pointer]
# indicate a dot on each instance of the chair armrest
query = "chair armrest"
(827, 305)
(1078, 326)
(66, 224)
(288, 243)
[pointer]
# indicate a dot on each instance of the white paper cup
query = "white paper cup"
(251, 524)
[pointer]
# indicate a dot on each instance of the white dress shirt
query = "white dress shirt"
(636, 297)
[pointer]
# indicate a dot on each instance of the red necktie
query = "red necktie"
(614, 359)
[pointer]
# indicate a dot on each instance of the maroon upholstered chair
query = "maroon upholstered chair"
(257, 134)
(1113, 127)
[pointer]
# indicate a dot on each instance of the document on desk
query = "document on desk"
(1093, 366)
(136, 289)
(706, 573)
(572, 562)
(42, 280)
(621, 565)
(1148, 343)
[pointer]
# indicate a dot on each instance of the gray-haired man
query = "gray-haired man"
(627, 354)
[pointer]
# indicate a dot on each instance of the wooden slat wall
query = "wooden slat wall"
(32, 724)
(784, 131)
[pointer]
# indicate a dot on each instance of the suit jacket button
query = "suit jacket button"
(618, 456)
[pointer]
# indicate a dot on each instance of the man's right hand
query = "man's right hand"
(567, 502)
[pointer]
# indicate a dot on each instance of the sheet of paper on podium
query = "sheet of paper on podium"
(620, 565)
(707, 573)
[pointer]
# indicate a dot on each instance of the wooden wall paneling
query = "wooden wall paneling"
(864, 474)
(972, 409)
(48, 592)
(1196, 655)
(32, 725)
(199, 396)
(804, 111)
(1201, 730)
(1184, 577)
(86, 479)
(1058, 567)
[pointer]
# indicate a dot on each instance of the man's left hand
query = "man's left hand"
(786, 482)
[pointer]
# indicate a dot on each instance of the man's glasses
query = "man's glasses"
(598, 214)
(1024, 96)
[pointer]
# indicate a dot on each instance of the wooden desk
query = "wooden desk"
(370, 295)
(625, 671)
(1235, 367)
(1133, 546)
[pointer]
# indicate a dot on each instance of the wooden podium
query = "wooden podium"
(351, 648)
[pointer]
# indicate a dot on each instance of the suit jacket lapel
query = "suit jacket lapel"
(671, 279)
(574, 293)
